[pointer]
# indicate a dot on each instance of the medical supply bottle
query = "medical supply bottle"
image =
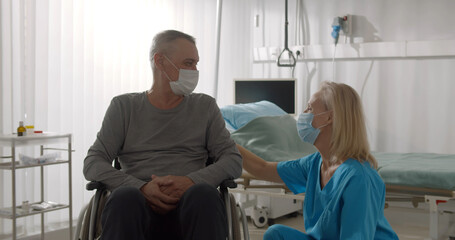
(21, 130)
(29, 129)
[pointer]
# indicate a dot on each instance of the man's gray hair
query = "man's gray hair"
(161, 42)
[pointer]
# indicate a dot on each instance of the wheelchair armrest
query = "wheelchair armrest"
(94, 185)
(228, 183)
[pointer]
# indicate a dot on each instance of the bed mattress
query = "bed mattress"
(425, 170)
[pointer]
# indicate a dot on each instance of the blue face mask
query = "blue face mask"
(305, 128)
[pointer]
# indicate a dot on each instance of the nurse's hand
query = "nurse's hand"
(258, 167)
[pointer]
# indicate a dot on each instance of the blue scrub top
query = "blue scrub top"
(350, 206)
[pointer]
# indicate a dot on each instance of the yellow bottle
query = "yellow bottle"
(21, 130)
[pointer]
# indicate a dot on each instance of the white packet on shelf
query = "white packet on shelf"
(46, 158)
(44, 205)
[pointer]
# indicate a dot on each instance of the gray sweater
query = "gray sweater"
(149, 141)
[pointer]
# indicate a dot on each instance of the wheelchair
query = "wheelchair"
(89, 220)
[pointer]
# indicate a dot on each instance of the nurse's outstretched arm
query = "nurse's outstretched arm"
(258, 167)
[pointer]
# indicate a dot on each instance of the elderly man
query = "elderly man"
(163, 138)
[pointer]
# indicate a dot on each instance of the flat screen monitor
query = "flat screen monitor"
(281, 91)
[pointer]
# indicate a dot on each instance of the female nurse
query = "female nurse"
(344, 194)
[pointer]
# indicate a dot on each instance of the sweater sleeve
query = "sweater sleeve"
(227, 161)
(109, 141)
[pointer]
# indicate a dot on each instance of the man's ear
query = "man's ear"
(158, 60)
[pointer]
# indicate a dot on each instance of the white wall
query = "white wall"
(408, 101)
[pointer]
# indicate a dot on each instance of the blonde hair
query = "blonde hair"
(349, 135)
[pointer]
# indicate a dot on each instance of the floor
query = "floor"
(408, 222)
(293, 221)
(403, 232)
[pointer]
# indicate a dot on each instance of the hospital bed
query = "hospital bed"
(419, 178)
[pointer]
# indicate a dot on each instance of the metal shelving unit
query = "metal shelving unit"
(13, 141)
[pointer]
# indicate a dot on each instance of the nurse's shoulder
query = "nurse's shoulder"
(363, 173)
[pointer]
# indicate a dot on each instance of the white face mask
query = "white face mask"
(187, 81)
